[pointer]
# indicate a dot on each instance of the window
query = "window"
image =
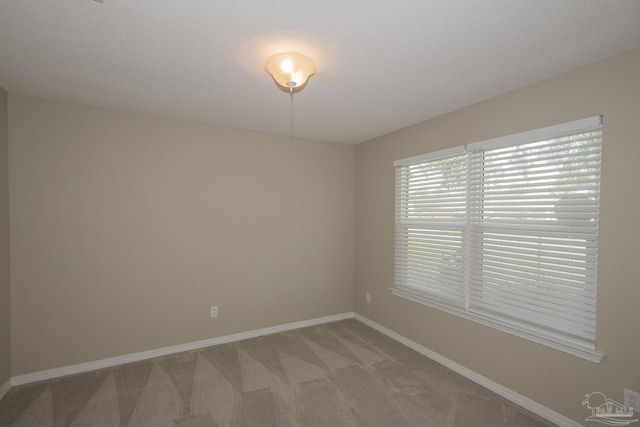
(505, 232)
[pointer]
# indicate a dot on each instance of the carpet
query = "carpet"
(337, 374)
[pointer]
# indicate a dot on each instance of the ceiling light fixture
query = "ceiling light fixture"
(291, 70)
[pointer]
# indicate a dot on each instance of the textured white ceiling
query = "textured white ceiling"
(382, 65)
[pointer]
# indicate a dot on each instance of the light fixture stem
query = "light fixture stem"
(291, 113)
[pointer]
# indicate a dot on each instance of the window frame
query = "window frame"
(548, 338)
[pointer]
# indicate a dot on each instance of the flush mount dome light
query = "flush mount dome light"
(290, 69)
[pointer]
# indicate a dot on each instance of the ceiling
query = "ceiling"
(382, 65)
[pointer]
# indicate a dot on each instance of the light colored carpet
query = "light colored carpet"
(337, 374)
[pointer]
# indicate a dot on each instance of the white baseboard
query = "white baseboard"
(509, 394)
(143, 355)
(4, 388)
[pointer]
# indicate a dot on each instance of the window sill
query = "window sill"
(548, 340)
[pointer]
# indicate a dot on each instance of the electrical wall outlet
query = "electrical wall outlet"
(368, 297)
(632, 399)
(214, 311)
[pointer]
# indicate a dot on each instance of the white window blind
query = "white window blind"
(430, 212)
(506, 230)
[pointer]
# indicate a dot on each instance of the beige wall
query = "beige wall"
(552, 378)
(126, 228)
(4, 243)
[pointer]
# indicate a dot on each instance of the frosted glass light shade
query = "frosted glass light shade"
(290, 69)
